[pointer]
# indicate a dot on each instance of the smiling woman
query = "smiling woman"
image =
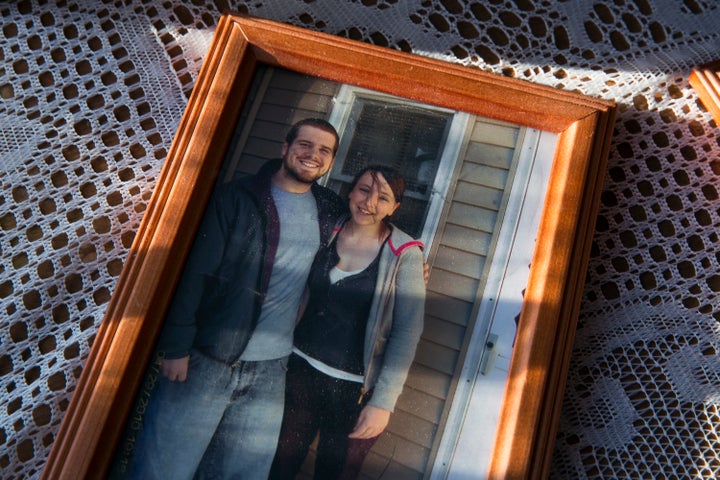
(372, 199)
(501, 174)
(357, 336)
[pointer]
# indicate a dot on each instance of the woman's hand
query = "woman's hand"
(175, 369)
(371, 422)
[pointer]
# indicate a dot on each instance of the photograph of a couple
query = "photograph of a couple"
(300, 339)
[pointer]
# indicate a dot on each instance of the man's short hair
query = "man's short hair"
(313, 122)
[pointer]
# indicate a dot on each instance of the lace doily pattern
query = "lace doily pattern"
(92, 93)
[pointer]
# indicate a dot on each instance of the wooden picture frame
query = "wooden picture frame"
(705, 79)
(93, 423)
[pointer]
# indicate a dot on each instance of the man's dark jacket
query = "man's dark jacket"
(220, 293)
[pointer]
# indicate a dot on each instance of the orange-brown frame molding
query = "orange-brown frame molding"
(90, 431)
(705, 79)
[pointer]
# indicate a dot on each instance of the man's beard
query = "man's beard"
(307, 179)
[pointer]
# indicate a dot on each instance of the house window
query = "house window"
(420, 141)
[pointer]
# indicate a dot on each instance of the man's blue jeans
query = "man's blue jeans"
(221, 423)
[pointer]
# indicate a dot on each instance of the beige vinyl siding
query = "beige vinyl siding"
(462, 246)
(458, 259)
(278, 98)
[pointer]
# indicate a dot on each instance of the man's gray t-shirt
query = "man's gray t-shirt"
(298, 243)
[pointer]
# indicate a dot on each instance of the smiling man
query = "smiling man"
(308, 153)
(218, 405)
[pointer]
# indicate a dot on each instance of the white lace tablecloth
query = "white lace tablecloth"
(92, 92)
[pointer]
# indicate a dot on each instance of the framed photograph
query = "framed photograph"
(503, 179)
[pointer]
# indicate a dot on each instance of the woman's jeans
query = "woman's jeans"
(222, 422)
(317, 403)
